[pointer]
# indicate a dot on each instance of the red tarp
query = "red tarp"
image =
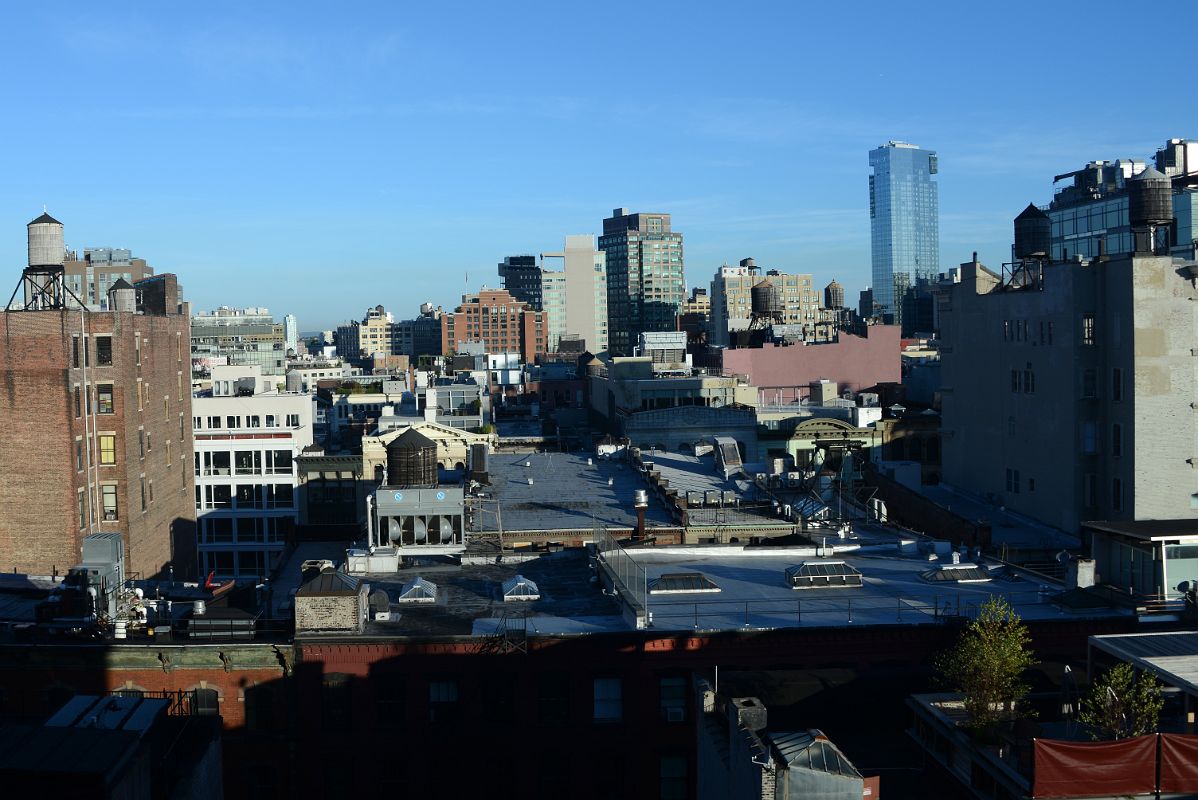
(1076, 769)
(1179, 763)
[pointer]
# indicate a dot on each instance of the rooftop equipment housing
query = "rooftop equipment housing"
(683, 583)
(520, 588)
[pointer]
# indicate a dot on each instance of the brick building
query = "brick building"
(97, 410)
(498, 320)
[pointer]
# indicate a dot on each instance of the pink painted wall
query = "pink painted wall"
(854, 362)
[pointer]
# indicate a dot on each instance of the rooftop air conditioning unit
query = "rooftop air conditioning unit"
(109, 516)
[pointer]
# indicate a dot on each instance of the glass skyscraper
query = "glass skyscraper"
(904, 222)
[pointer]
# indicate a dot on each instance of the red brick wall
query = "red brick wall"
(39, 525)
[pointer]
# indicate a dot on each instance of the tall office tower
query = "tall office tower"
(90, 279)
(290, 332)
(904, 222)
(1091, 212)
(522, 277)
(584, 287)
(645, 282)
(238, 336)
(834, 295)
(732, 301)
(97, 410)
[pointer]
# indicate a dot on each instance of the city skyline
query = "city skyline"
(265, 152)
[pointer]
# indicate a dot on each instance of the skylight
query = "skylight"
(682, 583)
(823, 575)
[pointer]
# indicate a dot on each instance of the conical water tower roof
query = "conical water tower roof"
(43, 219)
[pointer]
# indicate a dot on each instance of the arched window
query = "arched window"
(206, 703)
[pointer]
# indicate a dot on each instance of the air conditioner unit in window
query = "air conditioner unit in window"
(109, 516)
(675, 715)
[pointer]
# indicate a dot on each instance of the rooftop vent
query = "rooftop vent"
(418, 590)
(956, 573)
(823, 575)
(520, 588)
(682, 583)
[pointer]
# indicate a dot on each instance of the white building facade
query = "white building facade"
(247, 439)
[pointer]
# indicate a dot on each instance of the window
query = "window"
(104, 403)
(182, 428)
(673, 699)
(81, 501)
(78, 403)
(1029, 381)
(249, 495)
(1012, 480)
(280, 496)
(232, 422)
(166, 404)
(1015, 382)
(293, 420)
(141, 442)
(673, 782)
(219, 496)
(1117, 494)
(207, 702)
(107, 448)
(1089, 489)
(197, 422)
(278, 462)
(108, 501)
(75, 352)
(78, 454)
(218, 530)
(1050, 333)
(254, 421)
(150, 484)
(103, 351)
(1089, 384)
(248, 462)
(609, 703)
(272, 421)
(149, 442)
(1088, 329)
(1089, 438)
(168, 452)
(137, 349)
(443, 701)
(1117, 385)
(214, 422)
(1116, 440)
(143, 492)
(141, 394)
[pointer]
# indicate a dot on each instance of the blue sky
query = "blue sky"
(317, 158)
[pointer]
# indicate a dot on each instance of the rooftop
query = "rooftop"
(1148, 529)
(566, 493)
(711, 588)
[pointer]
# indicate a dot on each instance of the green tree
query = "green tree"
(988, 662)
(1122, 704)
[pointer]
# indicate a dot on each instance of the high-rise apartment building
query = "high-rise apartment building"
(833, 295)
(521, 276)
(645, 278)
(1091, 212)
(585, 292)
(904, 223)
(291, 332)
(732, 300)
(97, 411)
(375, 333)
(499, 321)
(90, 279)
(238, 336)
